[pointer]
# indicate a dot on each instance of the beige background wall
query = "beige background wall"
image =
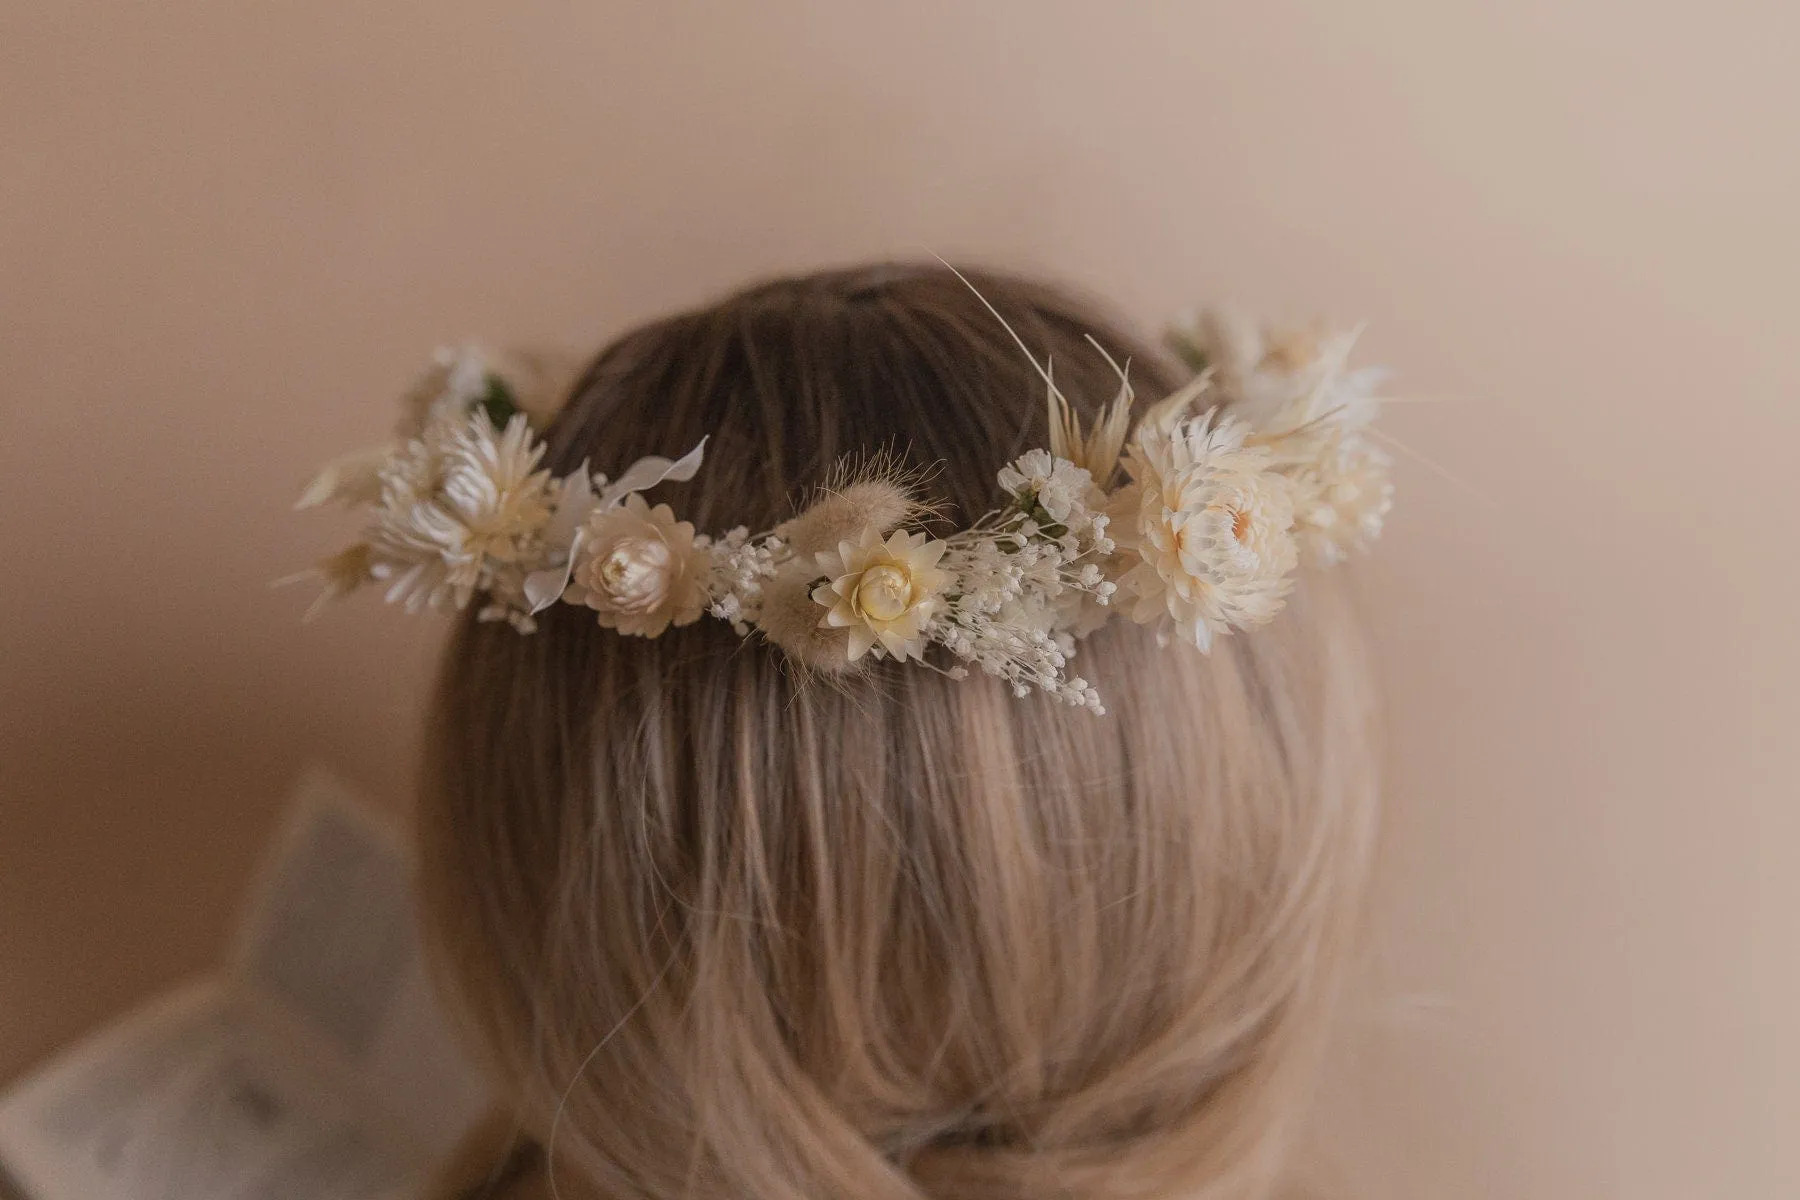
(229, 231)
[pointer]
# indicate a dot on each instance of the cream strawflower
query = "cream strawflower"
(640, 570)
(1211, 528)
(461, 510)
(1312, 413)
(882, 592)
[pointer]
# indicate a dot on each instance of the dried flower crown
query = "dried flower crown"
(1191, 523)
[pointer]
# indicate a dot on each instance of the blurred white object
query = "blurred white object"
(316, 1064)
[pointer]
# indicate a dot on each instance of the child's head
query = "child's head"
(734, 930)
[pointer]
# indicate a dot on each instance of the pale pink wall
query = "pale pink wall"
(229, 231)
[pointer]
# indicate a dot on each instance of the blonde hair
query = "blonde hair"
(723, 930)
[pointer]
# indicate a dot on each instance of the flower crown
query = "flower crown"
(1192, 522)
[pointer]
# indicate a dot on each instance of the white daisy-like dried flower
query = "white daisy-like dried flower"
(883, 592)
(1341, 500)
(1211, 527)
(460, 510)
(640, 569)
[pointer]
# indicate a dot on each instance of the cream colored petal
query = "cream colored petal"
(862, 640)
(1198, 634)
(908, 624)
(931, 581)
(899, 647)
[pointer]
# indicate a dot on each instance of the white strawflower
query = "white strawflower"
(1211, 528)
(1340, 500)
(1281, 381)
(1312, 413)
(640, 569)
(883, 593)
(462, 508)
(1303, 417)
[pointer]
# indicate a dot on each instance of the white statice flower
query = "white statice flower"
(882, 592)
(1210, 527)
(1063, 491)
(462, 508)
(1341, 499)
(640, 569)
